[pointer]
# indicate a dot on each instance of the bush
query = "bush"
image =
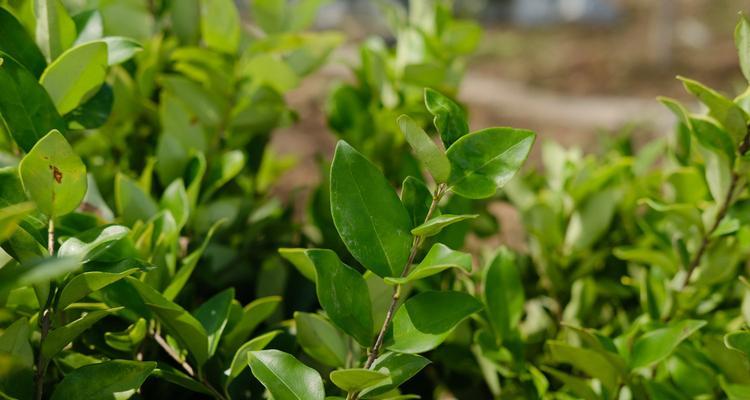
(144, 255)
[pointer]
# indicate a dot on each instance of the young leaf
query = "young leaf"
(357, 379)
(120, 49)
(320, 340)
(213, 315)
(300, 260)
(18, 44)
(53, 175)
(76, 75)
(88, 282)
(343, 294)
(438, 259)
(400, 366)
(116, 379)
(128, 339)
(27, 109)
(485, 160)
(239, 362)
(188, 265)
(10, 217)
(88, 244)
(179, 323)
(58, 338)
(739, 341)
(55, 30)
(15, 342)
(253, 314)
(368, 215)
(285, 377)
(503, 294)
(436, 224)
(742, 41)
(220, 25)
(724, 110)
(132, 203)
(416, 198)
(426, 150)
(418, 328)
(589, 361)
(575, 384)
(175, 199)
(658, 344)
(450, 119)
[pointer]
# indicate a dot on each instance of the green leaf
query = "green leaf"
(94, 112)
(320, 340)
(742, 41)
(108, 380)
(228, 166)
(300, 260)
(485, 160)
(76, 75)
(53, 175)
(450, 119)
(417, 199)
(269, 14)
(739, 341)
(175, 199)
(213, 315)
(120, 49)
(11, 216)
(27, 109)
(589, 361)
(591, 219)
(438, 259)
(357, 379)
(734, 391)
(60, 337)
(179, 323)
(188, 265)
(729, 114)
(55, 30)
(18, 44)
(343, 294)
(253, 314)
(128, 339)
(418, 328)
(88, 244)
(285, 377)
(401, 368)
(15, 342)
(712, 136)
(575, 384)
(503, 294)
(239, 362)
(179, 378)
(425, 149)
(435, 225)
(220, 25)
(368, 215)
(131, 202)
(656, 345)
(36, 271)
(88, 282)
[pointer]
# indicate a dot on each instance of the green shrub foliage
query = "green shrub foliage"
(144, 255)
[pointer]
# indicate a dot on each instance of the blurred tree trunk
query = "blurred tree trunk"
(663, 16)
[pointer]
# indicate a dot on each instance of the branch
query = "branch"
(169, 350)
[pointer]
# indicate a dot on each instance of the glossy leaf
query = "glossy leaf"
(128, 339)
(739, 341)
(357, 379)
(55, 30)
(436, 224)
(450, 119)
(589, 361)
(300, 260)
(253, 315)
(438, 259)
(658, 344)
(53, 175)
(179, 323)
(37, 271)
(724, 110)
(503, 294)
(188, 265)
(132, 203)
(115, 379)
(175, 199)
(285, 377)
(25, 105)
(418, 328)
(15, 342)
(120, 49)
(416, 198)
(88, 244)
(11, 215)
(88, 282)
(239, 362)
(485, 160)
(320, 340)
(368, 215)
(343, 294)
(76, 75)
(179, 378)
(425, 149)
(400, 366)
(60, 337)
(213, 315)
(18, 44)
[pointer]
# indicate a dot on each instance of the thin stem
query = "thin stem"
(706, 239)
(210, 388)
(416, 243)
(44, 320)
(169, 350)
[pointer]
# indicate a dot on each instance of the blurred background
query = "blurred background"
(576, 71)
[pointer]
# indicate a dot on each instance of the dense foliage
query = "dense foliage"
(144, 255)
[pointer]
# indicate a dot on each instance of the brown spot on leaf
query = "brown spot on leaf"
(56, 173)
